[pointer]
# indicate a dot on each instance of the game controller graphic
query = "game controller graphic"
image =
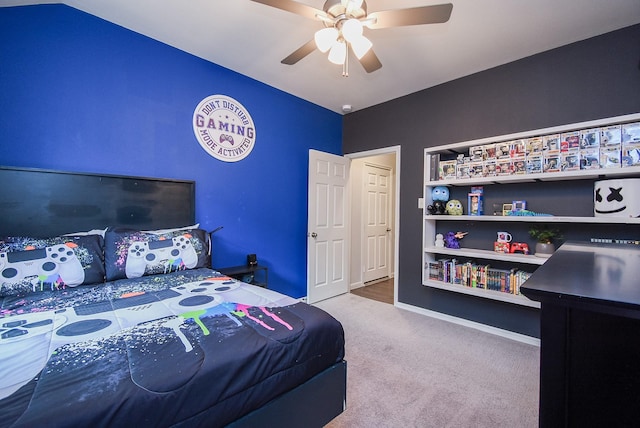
(34, 337)
(225, 137)
(56, 264)
(176, 252)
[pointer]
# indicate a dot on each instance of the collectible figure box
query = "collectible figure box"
(504, 167)
(503, 150)
(631, 144)
(631, 133)
(476, 201)
(570, 141)
(610, 157)
(462, 170)
(501, 247)
(534, 146)
(476, 153)
(447, 169)
(551, 144)
(476, 169)
(611, 136)
(551, 163)
(518, 165)
(590, 158)
(462, 166)
(490, 168)
(590, 139)
(534, 164)
(518, 149)
(489, 152)
(630, 155)
(570, 160)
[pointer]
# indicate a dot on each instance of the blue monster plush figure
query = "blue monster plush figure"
(440, 193)
(439, 196)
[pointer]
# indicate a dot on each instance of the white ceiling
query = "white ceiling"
(251, 39)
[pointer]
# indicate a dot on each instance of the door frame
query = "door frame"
(396, 202)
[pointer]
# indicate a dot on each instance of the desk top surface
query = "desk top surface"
(596, 274)
(233, 270)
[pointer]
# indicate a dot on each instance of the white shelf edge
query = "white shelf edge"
(535, 219)
(481, 292)
(487, 255)
(544, 176)
(537, 132)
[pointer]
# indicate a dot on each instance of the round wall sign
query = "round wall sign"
(224, 128)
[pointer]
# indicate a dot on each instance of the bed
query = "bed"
(111, 315)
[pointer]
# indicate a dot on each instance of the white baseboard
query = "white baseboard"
(355, 285)
(471, 324)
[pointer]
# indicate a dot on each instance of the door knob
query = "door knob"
(388, 229)
(314, 235)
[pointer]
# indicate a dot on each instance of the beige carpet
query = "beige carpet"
(408, 370)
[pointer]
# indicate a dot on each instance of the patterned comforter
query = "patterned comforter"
(192, 347)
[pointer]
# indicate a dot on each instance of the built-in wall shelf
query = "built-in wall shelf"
(582, 174)
(537, 219)
(555, 186)
(487, 294)
(487, 255)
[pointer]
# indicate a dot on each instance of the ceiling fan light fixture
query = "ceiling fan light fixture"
(325, 38)
(351, 5)
(361, 46)
(352, 29)
(338, 52)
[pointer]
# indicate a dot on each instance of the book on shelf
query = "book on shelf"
(477, 275)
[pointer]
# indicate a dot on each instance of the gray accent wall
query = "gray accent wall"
(587, 80)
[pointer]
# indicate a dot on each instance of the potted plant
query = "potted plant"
(545, 237)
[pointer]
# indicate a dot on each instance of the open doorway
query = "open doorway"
(374, 187)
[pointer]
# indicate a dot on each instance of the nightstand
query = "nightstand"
(255, 275)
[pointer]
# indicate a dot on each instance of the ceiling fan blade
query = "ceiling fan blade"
(413, 16)
(300, 53)
(370, 62)
(293, 7)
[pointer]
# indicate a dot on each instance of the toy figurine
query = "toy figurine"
(439, 196)
(452, 239)
(439, 240)
(438, 207)
(617, 198)
(454, 207)
(440, 193)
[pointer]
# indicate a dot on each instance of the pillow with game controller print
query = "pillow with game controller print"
(30, 265)
(134, 253)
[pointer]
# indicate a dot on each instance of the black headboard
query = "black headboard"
(42, 203)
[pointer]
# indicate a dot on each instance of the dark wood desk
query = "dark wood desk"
(590, 335)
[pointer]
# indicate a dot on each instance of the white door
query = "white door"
(328, 226)
(376, 211)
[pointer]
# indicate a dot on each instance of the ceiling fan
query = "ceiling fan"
(343, 25)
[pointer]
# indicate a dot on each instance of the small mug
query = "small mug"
(504, 237)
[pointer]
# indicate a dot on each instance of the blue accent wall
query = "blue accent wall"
(78, 93)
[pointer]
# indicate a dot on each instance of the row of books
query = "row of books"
(469, 274)
(612, 146)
